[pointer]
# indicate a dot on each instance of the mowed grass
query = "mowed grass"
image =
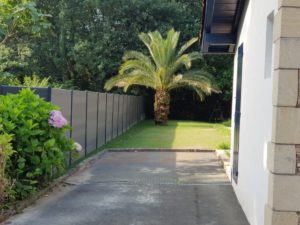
(178, 134)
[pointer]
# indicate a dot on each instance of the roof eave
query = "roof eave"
(219, 43)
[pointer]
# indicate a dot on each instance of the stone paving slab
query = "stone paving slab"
(141, 189)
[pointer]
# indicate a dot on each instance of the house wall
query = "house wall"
(256, 108)
(283, 206)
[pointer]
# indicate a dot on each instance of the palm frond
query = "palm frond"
(158, 69)
(139, 56)
(187, 45)
(144, 67)
(199, 80)
(149, 42)
(125, 81)
(186, 61)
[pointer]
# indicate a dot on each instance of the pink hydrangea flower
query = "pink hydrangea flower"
(57, 120)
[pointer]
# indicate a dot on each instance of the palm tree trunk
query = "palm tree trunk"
(161, 107)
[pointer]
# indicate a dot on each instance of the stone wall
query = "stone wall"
(284, 152)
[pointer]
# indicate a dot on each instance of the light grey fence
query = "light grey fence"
(96, 118)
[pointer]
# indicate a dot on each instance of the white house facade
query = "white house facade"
(264, 36)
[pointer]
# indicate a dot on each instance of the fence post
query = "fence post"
(97, 129)
(71, 123)
(49, 94)
(118, 115)
(137, 108)
(86, 113)
(122, 114)
(105, 124)
(112, 119)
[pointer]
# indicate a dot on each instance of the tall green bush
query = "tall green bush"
(5, 152)
(40, 149)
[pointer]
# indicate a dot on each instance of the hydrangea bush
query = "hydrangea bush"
(38, 139)
(57, 120)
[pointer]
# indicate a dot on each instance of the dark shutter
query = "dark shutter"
(237, 115)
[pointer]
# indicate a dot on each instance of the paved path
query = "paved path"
(142, 188)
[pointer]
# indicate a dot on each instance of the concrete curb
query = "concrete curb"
(224, 161)
(157, 150)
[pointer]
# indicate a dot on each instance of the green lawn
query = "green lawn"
(178, 134)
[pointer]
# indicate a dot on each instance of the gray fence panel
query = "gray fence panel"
(63, 99)
(44, 93)
(92, 117)
(120, 116)
(109, 117)
(136, 109)
(124, 113)
(128, 112)
(116, 115)
(101, 119)
(140, 108)
(79, 119)
(143, 108)
(95, 117)
(131, 110)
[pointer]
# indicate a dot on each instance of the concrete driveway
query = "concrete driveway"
(141, 188)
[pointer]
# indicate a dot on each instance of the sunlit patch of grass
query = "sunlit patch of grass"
(178, 134)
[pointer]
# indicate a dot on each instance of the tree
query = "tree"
(166, 69)
(19, 19)
(89, 37)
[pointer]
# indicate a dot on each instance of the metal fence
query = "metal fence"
(96, 118)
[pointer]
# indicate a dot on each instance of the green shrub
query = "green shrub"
(227, 123)
(27, 81)
(5, 152)
(9, 80)
(35, 81)
(224, 146)
(40, 149)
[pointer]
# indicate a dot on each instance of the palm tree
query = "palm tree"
(166, 68)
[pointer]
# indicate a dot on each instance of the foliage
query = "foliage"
(224, 146)
(5, 152)
(28, 81)
(19, 17)
(222, 68)
(89, 37)
(9, 80)
(227, 123)
(35, 81)
(13, 58)
(164, 69)
(19, 21)
(40, 148)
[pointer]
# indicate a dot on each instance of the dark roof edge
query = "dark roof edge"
(240, 10)
(202, 22)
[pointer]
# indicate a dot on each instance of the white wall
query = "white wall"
(256, 110)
